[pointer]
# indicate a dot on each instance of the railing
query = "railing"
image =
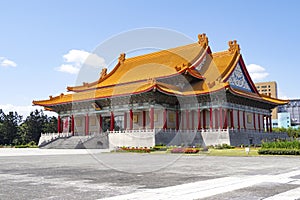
(133, 131)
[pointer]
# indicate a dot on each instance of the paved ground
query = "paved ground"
(84, 174)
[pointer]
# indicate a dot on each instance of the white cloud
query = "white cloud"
(24, 110)
(75, 59)
(68, 69)
(4, 62)
(257, 73)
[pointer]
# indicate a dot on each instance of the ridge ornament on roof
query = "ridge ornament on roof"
(203, 40)
(234, 46)
(122, 58)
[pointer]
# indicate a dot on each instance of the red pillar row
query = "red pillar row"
(100, 123)
(58, 124)
(187, 120)
(221, 118)
(226, 119)
(239, 121)
(210, 118)
(151, 118)
(258, 122)
(267, 124)
(112, 121)
(254, 121)
(165, 119)
(216, 119)
(199, 118)
(193, 120)
(125, 120)
(204, 119)
(144, 119)
(130, 119)
(177, 120)
(244, 119)
(87, 124)
(72, 125)
(231, 119)
(270, 117)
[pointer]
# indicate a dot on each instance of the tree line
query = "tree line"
(15, 131)
(292, 132)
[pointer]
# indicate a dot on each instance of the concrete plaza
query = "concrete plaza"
(87, 174)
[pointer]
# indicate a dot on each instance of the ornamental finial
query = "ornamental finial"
(233, 46)
(103, 73)
(203, 40)
(122, 57)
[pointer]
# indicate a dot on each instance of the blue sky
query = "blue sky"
(37, 37)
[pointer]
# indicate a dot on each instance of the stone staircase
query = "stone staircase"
(97, 141)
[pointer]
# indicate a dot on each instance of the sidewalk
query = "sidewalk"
(41, 152)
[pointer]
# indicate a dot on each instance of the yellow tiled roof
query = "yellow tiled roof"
(140, 74)
(153, 65)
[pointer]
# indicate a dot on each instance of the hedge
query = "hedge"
(279, 151)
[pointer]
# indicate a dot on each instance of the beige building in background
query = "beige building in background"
(270, 89)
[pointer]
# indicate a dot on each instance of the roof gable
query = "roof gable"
(238, 80)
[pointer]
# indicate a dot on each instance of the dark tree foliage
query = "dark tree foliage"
(15, 131)
(9, 127)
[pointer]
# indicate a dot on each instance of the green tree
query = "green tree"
(9, 127)
(35, 124)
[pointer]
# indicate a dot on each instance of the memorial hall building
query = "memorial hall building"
(186, 94)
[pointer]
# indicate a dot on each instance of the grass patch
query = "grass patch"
(232, 152)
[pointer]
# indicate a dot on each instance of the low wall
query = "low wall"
(192, 137)
(131, 139)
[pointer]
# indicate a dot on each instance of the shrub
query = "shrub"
(188, 150)
(134, 149)
(223, 146)
(295, 144)
(191, 150)
(177, 150)
(279, 151)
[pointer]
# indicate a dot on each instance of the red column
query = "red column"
(216, 119)
(258, 122)
(151, 118)
(181, 120)
(267, 123)
(226, 119)
(165, 119)
(193, 119)
(210, 118)
(177, 120)
(187, 119)
(204, 119)
(221, 118)
(238, 116)
(144, 119)
(58, 124)
(130, 119)
(100, 123)
(270, 124)
(254, 121)
(231, 119)
(125, 120)
(72, 125)
(87, 124)
(244, 119)
(112, 121)
(199, 118)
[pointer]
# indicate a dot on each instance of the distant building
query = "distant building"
(293, 108)
(270, 89)
(283, 121)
